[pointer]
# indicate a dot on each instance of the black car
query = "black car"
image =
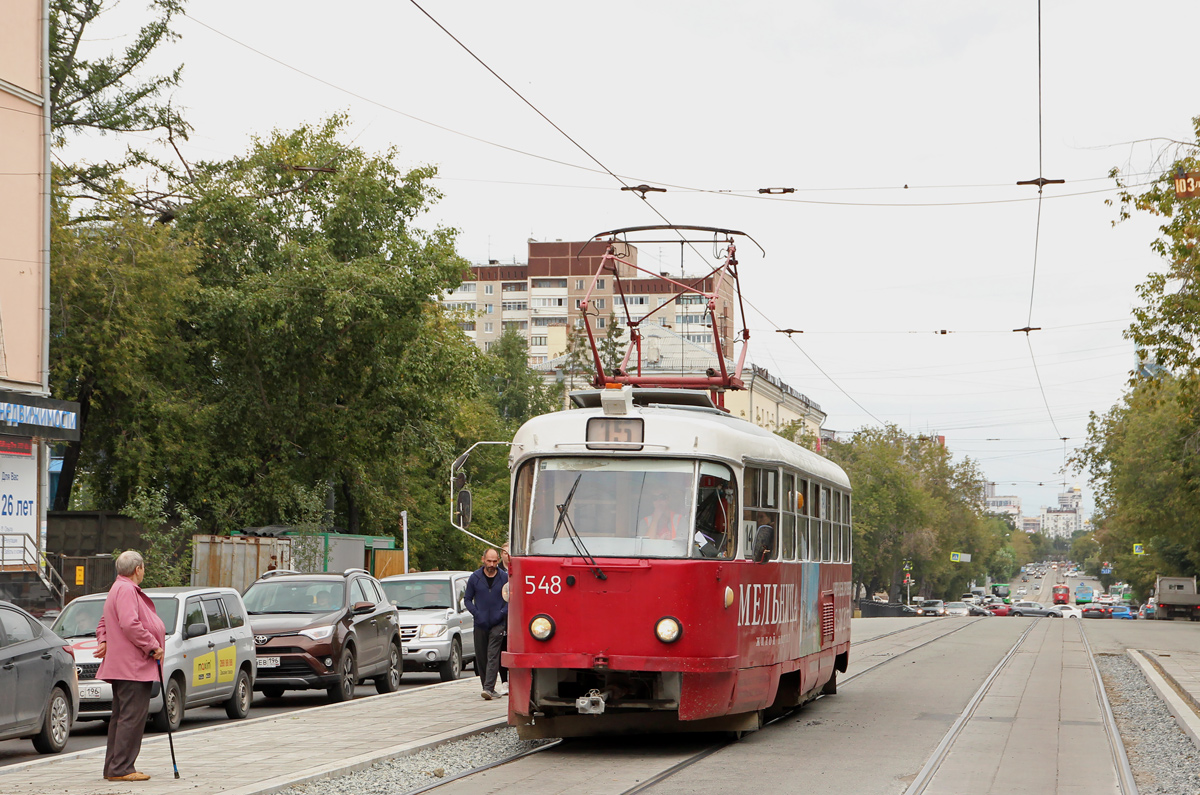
(38, 682)
(323, 631)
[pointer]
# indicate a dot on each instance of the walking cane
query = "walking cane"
(170, 741)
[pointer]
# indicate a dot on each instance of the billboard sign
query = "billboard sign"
(18, 503)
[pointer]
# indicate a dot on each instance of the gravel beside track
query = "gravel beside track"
(1164, 759)
(406, 773)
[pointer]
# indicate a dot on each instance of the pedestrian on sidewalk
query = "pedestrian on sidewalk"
(486, 602)
(130, 639)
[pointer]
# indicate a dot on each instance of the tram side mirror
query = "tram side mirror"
(462, 507)
(764, 543)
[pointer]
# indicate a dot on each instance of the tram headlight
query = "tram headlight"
(504, 592)
(668, 629)
(542, 627)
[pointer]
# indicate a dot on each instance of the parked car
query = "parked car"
(978, 610)
(437, 631)
(1097, 610)
(38, 682)
(1123, 611)
(208, 658)
(1032, 609)
(324, 632)
(1000, 609)
(933, 607)
(1067, 611)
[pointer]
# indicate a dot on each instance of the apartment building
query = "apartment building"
(541, 298)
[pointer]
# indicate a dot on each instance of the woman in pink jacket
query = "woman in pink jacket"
(131, 637)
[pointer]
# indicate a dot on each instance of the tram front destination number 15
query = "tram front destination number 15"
(612, 433)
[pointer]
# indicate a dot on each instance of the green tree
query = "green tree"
(120, 290)
(314, 335)
(516, 391)
(612, 345)
(106, 92)
(166, 541)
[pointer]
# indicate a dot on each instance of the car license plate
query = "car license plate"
(89, 691)
(268, 662)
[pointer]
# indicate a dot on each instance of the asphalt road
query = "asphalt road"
(90, 734)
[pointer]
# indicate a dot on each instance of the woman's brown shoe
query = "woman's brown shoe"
(129, 777)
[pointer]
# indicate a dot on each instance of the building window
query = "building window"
(468, 326)
(487, 289)
(549, 321)
(465, 287)
(599, 284)
(554, 302)
(487, 328)
(578, 301)
(488, 308)
(487, 346)
(599, 322)
(514, 306)
(579, 284)
(549, 284)
(513, 287)
(460, 306)
(517, 325)
(536, 341)
(598, 303)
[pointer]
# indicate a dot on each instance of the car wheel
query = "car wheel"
(451, 669)
(273, 692)
(1056, 615)
(389, 682)
(347, 678)
(1015, 613)
(56, 728)
(238, 705)
(171, 715)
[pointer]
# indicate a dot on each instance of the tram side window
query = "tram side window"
(716, 513)
(522, 497)
(835, 540)
(787, 533)
(760, 522)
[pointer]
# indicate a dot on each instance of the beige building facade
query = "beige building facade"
(24, 196)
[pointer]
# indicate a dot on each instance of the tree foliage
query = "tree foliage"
(911, 502)
(166, 546)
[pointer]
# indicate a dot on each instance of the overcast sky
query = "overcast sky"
(903, 127)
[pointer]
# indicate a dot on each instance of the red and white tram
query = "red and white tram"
(674, 568)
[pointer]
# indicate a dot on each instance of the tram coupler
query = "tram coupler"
(590, 705)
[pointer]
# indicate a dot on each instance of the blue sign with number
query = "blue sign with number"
(1107, 570)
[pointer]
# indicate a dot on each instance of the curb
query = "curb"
(1178, 701)
(355, 763)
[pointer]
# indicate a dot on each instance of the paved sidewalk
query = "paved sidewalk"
(1175, 676)
(262, 755)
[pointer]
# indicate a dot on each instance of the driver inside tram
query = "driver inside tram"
(664, 522)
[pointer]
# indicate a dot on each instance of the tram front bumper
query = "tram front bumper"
(619, 662)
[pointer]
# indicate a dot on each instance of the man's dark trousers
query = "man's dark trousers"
(488, 642)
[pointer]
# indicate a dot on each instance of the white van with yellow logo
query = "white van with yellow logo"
(209, 657)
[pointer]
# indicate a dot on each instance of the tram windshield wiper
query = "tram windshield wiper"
(573, 534)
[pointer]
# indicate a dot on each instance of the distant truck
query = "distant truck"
(1176, 596)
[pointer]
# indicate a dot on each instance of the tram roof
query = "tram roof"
(677, 429)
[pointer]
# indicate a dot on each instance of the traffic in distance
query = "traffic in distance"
(1072, 594)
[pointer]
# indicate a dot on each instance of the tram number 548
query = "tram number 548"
(543, 584)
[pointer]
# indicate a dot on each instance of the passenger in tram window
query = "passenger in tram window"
(765, 541)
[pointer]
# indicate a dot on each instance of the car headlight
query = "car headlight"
(668, 629)
(432, 630)
(542, 627)
(318, 633)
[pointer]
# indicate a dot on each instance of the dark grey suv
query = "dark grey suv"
(323, 631)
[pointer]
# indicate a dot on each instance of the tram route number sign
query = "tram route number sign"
(1187, 186)
(614, 433)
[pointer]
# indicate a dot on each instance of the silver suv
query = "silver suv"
(437, 631)
(208, 659)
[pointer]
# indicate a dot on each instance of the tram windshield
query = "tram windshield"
(625, 508)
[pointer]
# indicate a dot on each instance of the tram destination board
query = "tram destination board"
(1187, 186)
(613, 433)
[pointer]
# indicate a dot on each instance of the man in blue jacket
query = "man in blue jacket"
(485, 601)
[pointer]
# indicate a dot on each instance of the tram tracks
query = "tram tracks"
(713, 748)
(934, 764)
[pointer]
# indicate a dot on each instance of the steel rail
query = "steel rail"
(1116, 744)
(943, 749)
(466, 773)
